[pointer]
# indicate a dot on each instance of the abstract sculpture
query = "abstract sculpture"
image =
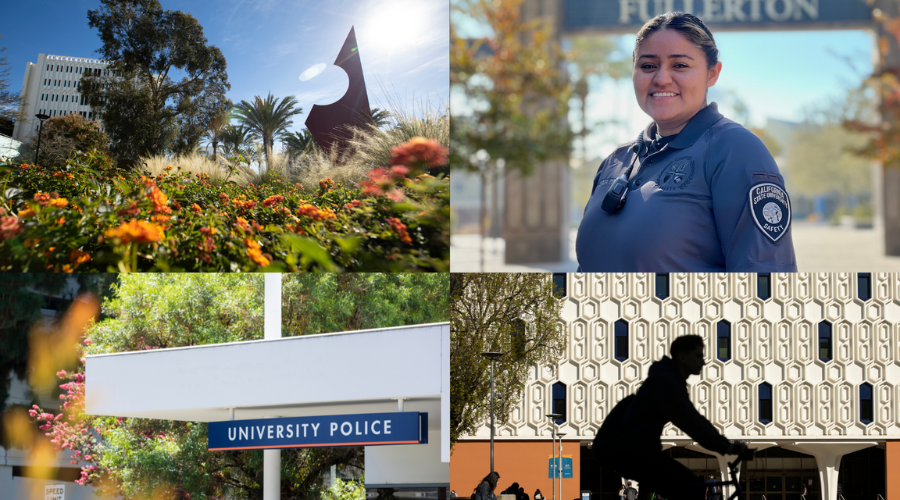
(330, 124)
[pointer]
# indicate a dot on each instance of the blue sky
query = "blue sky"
(777, 74)
(403, 45)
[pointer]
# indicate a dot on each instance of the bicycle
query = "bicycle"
(743, 458)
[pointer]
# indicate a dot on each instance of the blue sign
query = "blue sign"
(366, 429)
(566, 467)
(627, 16)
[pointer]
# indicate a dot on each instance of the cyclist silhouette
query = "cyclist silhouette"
(629, 439)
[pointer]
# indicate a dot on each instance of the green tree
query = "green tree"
(64, 134)
(322, 303)
(215, 127)
(236, 140)
(380, 117)
(516, 314)
(300, 142)
(144, 110)
(9, 101)
(268, 119)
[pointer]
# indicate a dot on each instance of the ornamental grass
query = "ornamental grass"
(84, 218)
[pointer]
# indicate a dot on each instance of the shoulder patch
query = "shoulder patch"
(771, 209)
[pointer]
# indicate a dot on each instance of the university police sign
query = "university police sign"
(627, 16)
(330, 430)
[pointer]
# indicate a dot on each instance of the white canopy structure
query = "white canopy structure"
(364, 371)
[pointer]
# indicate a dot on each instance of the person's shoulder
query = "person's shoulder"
(738, 136)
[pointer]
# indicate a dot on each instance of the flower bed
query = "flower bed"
(82, 219)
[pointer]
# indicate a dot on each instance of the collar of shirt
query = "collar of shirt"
(696, 126)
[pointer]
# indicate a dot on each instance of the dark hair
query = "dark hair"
(690, 27)
(491, 479)
(685, 343)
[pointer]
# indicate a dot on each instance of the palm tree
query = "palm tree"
(299, 142)
(268, 118)
(236, 139)
(380, 117)
(214, 128)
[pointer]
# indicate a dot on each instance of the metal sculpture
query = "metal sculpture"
(331, 124)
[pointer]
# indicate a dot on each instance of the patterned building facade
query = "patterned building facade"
(804, 367)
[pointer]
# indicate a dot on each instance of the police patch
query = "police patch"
(677, 174)
(771, 209)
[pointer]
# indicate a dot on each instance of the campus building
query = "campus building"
(50, 87)
(803, 367)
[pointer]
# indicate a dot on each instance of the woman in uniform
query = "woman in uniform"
(696, 192)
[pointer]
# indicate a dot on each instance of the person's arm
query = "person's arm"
(750, 205)
(686, 417)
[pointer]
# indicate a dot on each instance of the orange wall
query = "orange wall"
(891, 461)
(523, 462)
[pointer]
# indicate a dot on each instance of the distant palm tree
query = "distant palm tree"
(380, 117)
(268, 118)
(214, 128)
(236, 139)
(300, 142)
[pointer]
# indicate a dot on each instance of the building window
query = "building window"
(866, 411)
(621, 345)
(825, 341)
(764, 286)
(765, 403)
(518, 339)
(723, 341)
(559, 284)
(662, 286)
(559, 401)
(864, 286)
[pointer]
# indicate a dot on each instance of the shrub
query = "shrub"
(81, 219)
(63, 135)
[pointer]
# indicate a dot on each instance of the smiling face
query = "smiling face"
(670, 79)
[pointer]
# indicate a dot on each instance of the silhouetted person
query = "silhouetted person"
(629, 440)
(485, 489)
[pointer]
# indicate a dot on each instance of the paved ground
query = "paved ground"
(818, 248)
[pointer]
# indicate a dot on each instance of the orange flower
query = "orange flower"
(169, 167)
(139, 231)
(59, 202)
(271, 200)
(42, 198)
(419, 152)
(208, 231)
(399, 228)
(242, 223)
(78, 257)
(61, 221)
(159, 200)
(314, 213)
(255, 253)
(196, 208)
(24, 214)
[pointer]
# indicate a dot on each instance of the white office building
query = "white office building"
(50, 87)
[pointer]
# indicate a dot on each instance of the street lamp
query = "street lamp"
(553, 418)
(560, 436)
(41, 117)
(492, 356)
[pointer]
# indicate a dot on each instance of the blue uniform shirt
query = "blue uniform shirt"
(710, 200)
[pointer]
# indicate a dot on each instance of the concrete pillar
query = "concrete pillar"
(892, 469)
(828, 459)
(536, 207)
(272, 329)
(890, 61)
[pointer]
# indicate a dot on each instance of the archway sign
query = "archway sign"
(627, 16)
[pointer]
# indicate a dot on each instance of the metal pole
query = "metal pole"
(38, 150)
(560, 435)
(553, 468)
(492, 415)
(272, 330)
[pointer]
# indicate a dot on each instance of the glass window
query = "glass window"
(723, 341)
(765, 403)
(866, 410)
(825, 341)
(864, 286)
(559, 284)
(662, 286)
(764, 286)
(559, 401)
(621, 340)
